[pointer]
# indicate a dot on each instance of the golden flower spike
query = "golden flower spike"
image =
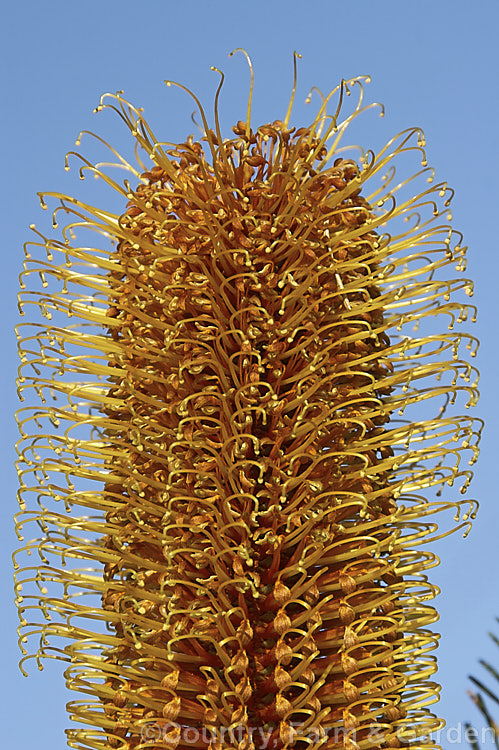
(234, 446)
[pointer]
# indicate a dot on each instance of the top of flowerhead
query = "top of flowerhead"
(267, 169)
(301, 153)
(318, 133)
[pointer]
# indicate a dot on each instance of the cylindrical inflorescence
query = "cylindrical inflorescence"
(255, 489)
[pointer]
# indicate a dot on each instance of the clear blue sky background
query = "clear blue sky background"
(433, 64)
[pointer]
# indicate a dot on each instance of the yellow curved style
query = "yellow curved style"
(234, 438)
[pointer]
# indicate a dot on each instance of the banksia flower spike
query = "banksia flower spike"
(239, 441)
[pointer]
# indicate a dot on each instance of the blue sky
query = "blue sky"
(433, 64)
